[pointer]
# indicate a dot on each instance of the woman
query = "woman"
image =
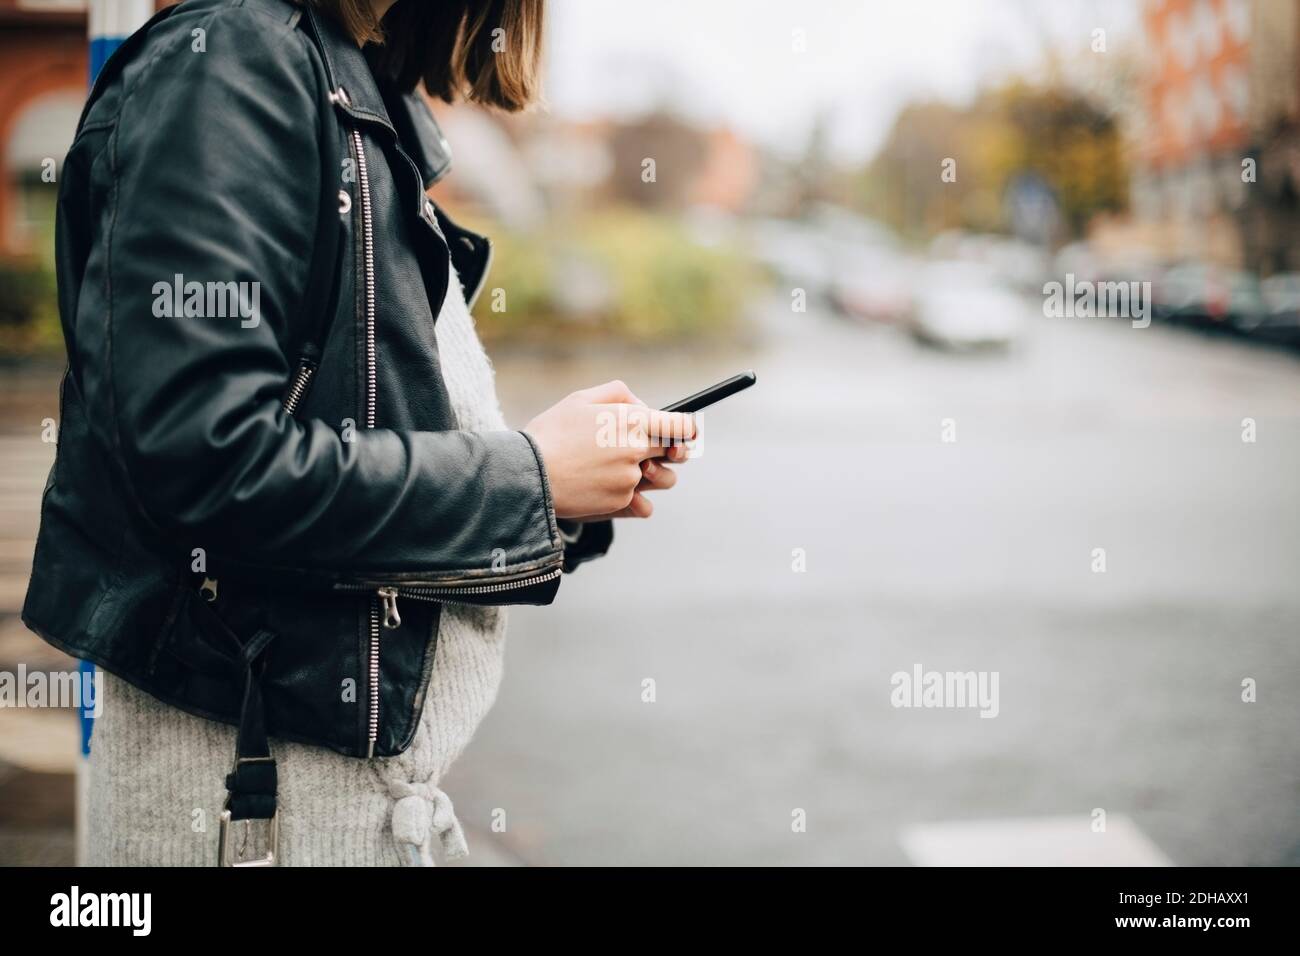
(285, 504)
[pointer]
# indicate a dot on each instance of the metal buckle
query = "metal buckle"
(224, 850)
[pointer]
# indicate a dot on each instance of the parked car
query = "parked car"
(1014, 262)
(1019, 264)
(1208, 296)
(875, 284)
(1078, 259)
(960, 306)
(794, 253)
(834, 255)
(1280, 320)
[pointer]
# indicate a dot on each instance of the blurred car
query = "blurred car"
(961, 306)
(1135, 270)
(846, 261)
(955, 244)
(1280, 320)
(1014, 262)
(845, 226)
(793, 252)
(1017, 263)
(1078, 259)
(1208, 296)
(877, 286)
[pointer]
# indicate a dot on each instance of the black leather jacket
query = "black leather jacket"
(204, 495)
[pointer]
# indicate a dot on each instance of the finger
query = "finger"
(656, 476)
(610, 393)
(674, 453)
(652, 431)
(640, 507)
(674, 426)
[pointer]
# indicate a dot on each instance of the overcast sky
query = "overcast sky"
(732, 61)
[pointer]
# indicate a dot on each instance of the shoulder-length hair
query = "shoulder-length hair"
(484, 51)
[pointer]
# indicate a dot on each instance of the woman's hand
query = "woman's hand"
(599, 447)
(655, 476)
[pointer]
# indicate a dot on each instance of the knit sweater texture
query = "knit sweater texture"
(156, 774)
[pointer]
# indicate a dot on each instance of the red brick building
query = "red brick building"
(1220, 90)
(43, 72)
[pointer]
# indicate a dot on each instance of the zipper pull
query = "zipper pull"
(298, 384)
(209, 589)
(392, 620)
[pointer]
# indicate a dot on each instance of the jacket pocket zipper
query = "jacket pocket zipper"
(384, 615)
(372, 674)
(298, 385)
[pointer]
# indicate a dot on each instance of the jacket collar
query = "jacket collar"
(353, 89)
(420, 135)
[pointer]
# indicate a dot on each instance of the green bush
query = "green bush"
(29, 309)
(653, 282)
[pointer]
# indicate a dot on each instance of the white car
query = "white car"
(960, 306)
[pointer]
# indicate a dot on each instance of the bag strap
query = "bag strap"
(252, 782)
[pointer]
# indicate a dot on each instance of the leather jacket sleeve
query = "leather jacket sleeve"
(210, 178)
(585, 541)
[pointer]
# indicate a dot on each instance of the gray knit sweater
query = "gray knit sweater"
(156, 773)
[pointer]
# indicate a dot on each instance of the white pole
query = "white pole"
(111, 22)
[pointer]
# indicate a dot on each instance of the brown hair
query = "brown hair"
(485, 51)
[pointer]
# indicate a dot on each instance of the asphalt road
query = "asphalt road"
(1119, 690)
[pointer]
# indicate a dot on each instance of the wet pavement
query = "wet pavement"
(1118, 691)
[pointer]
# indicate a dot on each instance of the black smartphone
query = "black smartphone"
(713, 394)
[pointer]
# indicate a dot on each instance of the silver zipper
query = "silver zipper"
(442, 593)
(383, 608)
(373, 674)
(298, 387)
(372, 363)
(368, 254)
(386, 609)
(384, 613)
(388, 599)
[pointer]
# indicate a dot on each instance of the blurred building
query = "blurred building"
(1216, 167)
(729, 174)
(43, 71)
(555, 163)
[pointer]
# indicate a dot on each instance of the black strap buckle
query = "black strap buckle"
(227, 856)
(251, 784)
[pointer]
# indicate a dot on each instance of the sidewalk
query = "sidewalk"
(38, 748)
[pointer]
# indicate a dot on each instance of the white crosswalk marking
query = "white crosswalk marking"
(1031, 841)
